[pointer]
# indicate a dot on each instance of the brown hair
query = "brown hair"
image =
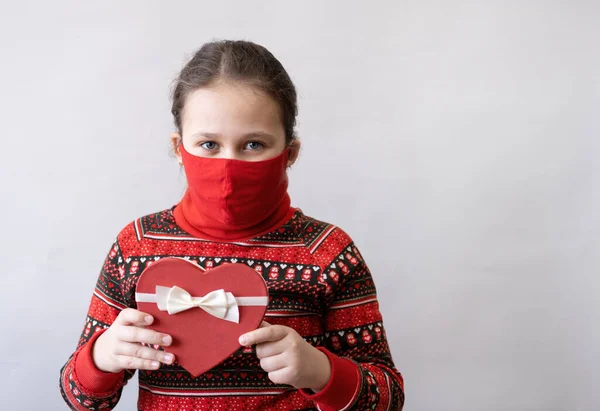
(240, 61)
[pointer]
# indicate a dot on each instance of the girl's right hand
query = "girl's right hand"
(119, 347)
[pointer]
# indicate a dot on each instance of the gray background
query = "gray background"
(457, 142)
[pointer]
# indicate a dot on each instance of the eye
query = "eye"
(209, 145)
(254, 145)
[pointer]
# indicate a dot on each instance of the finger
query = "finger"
(143, 335)
(129, 316)
(270, 364)
(139, 351)
(265, 334)
(282, 376)
(269, 349)
(134, 363)
(264, 324)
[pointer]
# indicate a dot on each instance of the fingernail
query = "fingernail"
(243, 340)
(168, 357)
(148, 319)
(155, 364)
(167, 340)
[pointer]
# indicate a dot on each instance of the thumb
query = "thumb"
(264, 324)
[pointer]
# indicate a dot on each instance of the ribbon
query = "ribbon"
(218, 303)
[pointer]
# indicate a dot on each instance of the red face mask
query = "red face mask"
(233, 199)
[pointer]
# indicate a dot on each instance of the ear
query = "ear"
(176, 142)
(294, 148)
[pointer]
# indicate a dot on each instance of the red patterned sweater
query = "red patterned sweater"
(318, 284)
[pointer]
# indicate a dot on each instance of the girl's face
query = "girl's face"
(233, 121)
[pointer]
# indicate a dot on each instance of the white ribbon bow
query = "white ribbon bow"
(217, 303)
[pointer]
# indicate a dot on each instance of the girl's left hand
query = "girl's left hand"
(288, 358)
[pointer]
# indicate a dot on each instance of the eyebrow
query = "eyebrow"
(254, 134)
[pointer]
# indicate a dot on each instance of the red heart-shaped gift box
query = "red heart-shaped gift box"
(201, 340)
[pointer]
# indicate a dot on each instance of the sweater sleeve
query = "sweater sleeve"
(363, 376)
(83, 386)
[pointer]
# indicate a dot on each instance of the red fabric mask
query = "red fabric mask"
(233, 199)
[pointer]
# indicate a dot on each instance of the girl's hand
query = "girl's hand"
(288, 358)
(119, 347)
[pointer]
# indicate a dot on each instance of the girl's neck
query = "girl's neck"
(193, 221)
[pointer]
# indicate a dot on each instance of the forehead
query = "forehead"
(230, 109)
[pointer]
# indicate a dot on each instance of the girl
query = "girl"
(324, 346)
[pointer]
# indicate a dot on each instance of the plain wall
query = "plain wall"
(456, 142)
